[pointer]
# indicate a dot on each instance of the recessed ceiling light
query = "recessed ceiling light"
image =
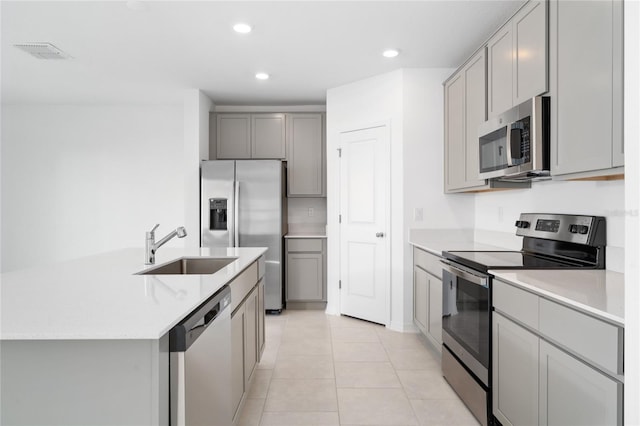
(262, 76)
(390, 53)
(242, 28)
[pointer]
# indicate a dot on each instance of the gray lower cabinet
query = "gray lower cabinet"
(250, 335)
(237, 360)
(421, 298)
(247, 333)
(515, 373)
(586, 64)
(305, 271)
(427, 295)
(573, 393)
(547, 370)
(261, 318)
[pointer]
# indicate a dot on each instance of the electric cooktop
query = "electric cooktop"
(551, 241)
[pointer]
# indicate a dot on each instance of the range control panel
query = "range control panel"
(560, 227)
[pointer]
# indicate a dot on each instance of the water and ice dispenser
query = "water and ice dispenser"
(217, 214)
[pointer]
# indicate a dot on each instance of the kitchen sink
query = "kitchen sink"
(190, 266)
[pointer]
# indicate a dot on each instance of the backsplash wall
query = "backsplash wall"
(498, 211)
(299, 211)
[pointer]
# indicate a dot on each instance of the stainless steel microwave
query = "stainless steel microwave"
(515, 144)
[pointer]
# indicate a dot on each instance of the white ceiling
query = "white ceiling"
(153, 54)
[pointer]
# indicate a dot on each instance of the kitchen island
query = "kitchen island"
(86, 341)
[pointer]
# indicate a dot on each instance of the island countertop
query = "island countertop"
(101, 297)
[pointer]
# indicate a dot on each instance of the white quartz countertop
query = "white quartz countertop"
(100, 297)
(436, 241)
(596, 292)
(301, 230)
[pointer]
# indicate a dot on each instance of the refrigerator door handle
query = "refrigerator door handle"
(236, 218)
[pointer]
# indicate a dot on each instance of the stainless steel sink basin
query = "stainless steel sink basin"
(190, 266)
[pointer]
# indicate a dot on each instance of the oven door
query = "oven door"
(466, 312)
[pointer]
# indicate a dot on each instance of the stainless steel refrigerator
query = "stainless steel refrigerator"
(244, 204)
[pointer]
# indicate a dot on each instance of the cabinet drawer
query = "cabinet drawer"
(428, 262)
(517, 303)
(242, 285)
(304, 244)
(592, 339)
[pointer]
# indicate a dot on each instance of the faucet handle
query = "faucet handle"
(154, 228)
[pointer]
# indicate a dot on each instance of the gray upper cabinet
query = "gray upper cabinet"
(465, 109)
(305, 159)
(500, 70)
(268, 136)
(517, 59)
(257, 136)
(586, 86)
(530, 64)
(233, 136)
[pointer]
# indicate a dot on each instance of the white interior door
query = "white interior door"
(364, 209)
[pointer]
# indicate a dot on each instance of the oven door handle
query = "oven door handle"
(481, 280)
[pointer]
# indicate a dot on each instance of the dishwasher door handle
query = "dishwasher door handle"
(186, 332)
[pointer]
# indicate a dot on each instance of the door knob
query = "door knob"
(379, 234)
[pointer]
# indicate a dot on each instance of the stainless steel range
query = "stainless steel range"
(551, 241)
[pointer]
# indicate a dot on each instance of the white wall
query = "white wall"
(423, 171)
(298, 211)
(197, 107)
(410, 101)
(78, 180)
(376, 100)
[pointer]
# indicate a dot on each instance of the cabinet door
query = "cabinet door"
(500, 71)
(585, 73)
(268, 136)
(515, 373)
(237, 359)
(304, 277)
(420, 298)
(572, 393)
(261, 313)
(530, 51)
(305, 156)
(435, 310)
(475, 113)
(233, 136)
(454, 137)
(250, 336)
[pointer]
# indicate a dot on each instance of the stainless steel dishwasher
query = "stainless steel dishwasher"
(200, 365)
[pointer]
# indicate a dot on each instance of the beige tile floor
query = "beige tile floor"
(321, 370)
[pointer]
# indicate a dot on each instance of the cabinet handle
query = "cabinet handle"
(379, 234)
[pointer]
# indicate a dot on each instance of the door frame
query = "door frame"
(387, 194)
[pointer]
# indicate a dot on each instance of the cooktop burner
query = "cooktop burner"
(485, 260)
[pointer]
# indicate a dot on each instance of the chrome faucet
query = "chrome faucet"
(151, 246)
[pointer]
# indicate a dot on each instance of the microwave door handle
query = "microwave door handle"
(509, 157)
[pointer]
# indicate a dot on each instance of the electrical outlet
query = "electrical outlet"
(418, 214)
(310, 212)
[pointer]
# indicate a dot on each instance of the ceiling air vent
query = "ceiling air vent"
(43, 50)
